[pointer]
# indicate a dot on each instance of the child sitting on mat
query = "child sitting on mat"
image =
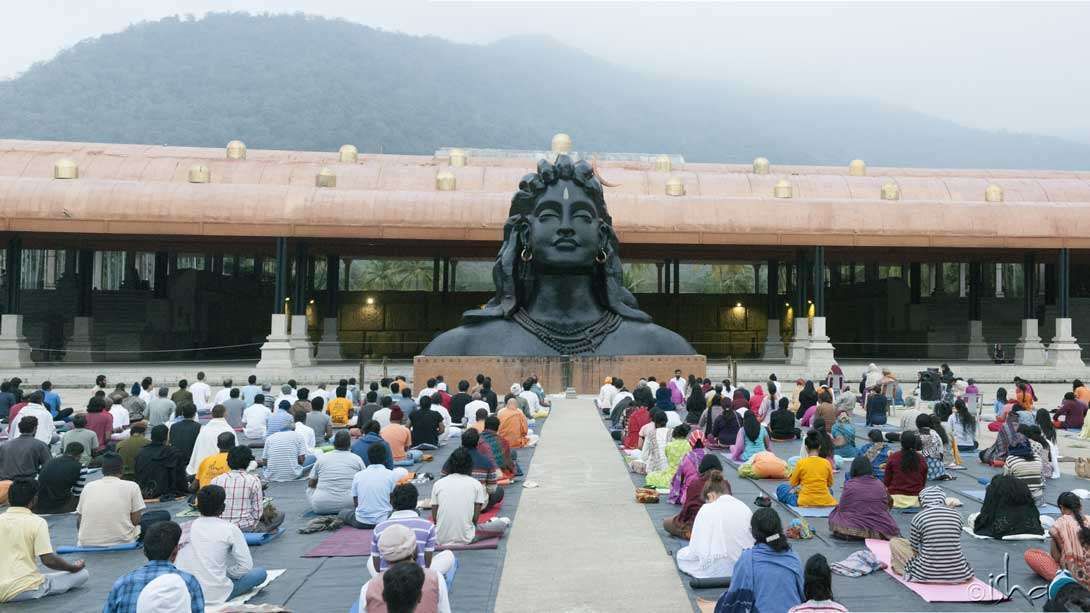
(811, 480)
(817, 588)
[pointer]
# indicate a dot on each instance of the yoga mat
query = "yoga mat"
(256, 539)
(700, 584)
(971, 591)
(242, 599)
(1011, 537)
(347, 542)
(813, 511)
(491, 542)
(79, 549)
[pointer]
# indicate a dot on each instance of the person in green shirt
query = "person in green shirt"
(130, 447)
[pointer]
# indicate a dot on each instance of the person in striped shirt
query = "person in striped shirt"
(404, 499)
(932, 553)
(1025, 466)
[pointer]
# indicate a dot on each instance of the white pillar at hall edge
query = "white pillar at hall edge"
(1064, 351)
(277, 350)
(820, 352)
(773, 345)
(801, 342)
(1029, 351)
(978, 348)
(14, 349)
(302, 348)
(329, 348)
(78, 346)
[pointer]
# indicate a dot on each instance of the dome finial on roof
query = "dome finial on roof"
(457, 158)
(993, 193)
(760, 166)
(236, 150)
(561, 143)
(783, 189)
(325, 178)
(348, 154)
(445, 181)
(857, 168)
(675, 186)
(65, 168)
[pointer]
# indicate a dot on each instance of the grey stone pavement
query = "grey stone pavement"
(581, 542)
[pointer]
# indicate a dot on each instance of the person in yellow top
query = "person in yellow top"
(514, 428)
(812, 480)
(24, 541)
(340, 409)
(215, 464)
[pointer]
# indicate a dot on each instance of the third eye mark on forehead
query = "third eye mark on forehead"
(576, 206)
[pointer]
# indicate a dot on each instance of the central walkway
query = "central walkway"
(580, 542)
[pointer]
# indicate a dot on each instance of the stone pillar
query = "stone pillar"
(999, 281)
(14, 272)
(1029, 351)
(1064, 351)
(162, 262)
(978, 347)
(78, 346)
(801, 341)
(330, 346)
(14, 349)
(915, 283)
(773, 344)
(277, 351)
(820, 352)
(302, 348)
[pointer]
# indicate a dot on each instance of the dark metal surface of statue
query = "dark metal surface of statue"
(558, 278)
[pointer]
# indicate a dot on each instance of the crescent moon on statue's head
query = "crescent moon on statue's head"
(594, 165)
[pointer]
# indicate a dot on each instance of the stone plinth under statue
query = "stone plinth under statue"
(557, 373)
(559, 292)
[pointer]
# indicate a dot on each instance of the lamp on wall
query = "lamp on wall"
(370, 300)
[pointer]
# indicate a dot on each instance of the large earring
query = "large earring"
(526, 254)
(601, 257)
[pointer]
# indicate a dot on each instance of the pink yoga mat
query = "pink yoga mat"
(347, 542)
(972, 591)
(491, 542)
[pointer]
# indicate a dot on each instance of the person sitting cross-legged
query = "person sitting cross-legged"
(329, 488)
(427, 426)
(371, 488)
(404, 499)
(719, 534)
(457, 500)
(405, 586)
(484, 469)
(400, 439)
(143, 588)
(24, 456)
(215, 551)
(160, 469)
(61, 482)
(111, 511)
(207, 438)
(243, 505)
(24, 541)
(286, 457)
(370, 437)
(811, 480)
(215, 464)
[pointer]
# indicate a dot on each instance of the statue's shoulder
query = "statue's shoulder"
(654, 339)
(484, 337)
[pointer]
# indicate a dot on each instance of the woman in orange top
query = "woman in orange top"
(513, 426)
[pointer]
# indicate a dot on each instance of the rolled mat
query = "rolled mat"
(88, 549)
(256, 539)
(710, 582)
(974, 590)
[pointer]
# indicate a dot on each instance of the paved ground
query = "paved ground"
(582, 532)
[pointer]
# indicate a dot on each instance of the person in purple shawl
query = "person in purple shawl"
(689, 468)
(863, 510)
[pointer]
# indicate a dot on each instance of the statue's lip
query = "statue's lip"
(565, 242)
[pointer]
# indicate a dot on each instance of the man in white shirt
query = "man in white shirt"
(145, 390)
(110, 510)
(224, 393)
(255, 417)
(321, 392)
(532, 403)
(215, 551)
(120, 415)
(382, 416)
(206, 439)
(309, 440)
(681, 383)
(202, 394)
(457, 500)
(428, 391)
(605, 395)
(653, 385)
(46, 431)
(287, 392)
(473, 406)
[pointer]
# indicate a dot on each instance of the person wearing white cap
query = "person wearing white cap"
(158, 585)
(408, 582)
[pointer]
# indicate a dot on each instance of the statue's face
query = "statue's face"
(564, 227)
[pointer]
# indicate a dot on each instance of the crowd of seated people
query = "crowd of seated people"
(351, 452)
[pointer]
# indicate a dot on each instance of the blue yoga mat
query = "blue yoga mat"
(256, 539)
(78, 549)
(813, 511)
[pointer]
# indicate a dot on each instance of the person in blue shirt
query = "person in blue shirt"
(371, 437)
(767, 576)
(160, 547)
(52, 401)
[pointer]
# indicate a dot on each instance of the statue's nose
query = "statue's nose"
(566, 230)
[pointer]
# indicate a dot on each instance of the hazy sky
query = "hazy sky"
(1003, 66)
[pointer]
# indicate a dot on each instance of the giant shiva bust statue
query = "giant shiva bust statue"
(558, 279)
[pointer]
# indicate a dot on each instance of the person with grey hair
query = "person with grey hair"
(161, 409)
(224, 393)
(266, 391)
(287, 392)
